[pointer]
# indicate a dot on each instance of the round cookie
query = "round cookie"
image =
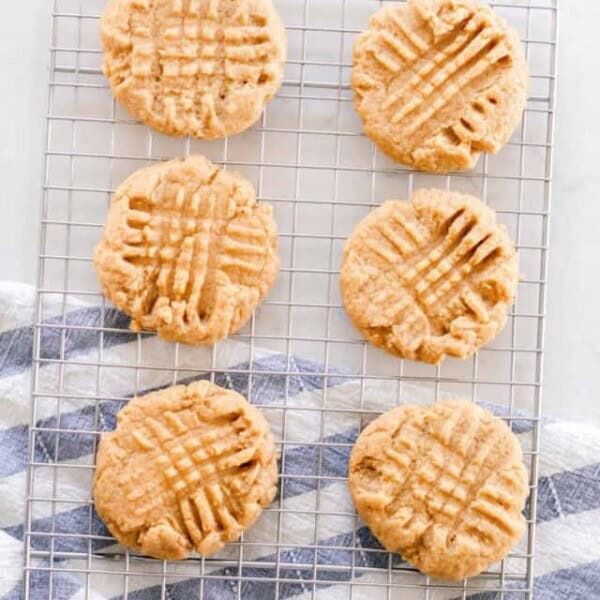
(188, 467)
(437, 82)
(204, 68)
(431, 277)
(187, 250)
(442, 485)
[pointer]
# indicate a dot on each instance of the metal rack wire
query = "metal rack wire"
(308, 157)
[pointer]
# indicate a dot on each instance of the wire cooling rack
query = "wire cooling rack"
(307, 157)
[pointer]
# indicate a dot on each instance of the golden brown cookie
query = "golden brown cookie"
(430, 277)
(204, 68)
(188, 467)
(438, 81)
(187, 250)
(442, 485)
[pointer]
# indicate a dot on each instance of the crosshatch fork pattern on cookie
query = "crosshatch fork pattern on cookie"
(194, 68)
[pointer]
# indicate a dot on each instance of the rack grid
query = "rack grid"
(308, 157)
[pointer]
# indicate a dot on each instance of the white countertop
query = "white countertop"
(572, 364)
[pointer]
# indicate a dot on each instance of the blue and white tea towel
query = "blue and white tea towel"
(292, 552)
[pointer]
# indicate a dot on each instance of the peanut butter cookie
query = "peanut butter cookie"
(442, 485)
(187, 250)
(204, 68)
(188, 467)
(437, 82)
(430, 277)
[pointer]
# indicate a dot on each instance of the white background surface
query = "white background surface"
(572, 373)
